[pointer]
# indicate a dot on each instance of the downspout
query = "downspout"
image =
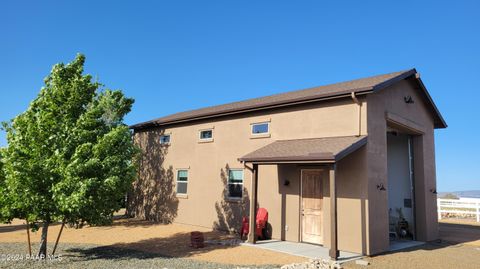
(356, 101)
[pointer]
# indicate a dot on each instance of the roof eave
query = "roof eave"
(149, 124)
(440, 122)
(286, 160)
(394, 80)
(352, 148)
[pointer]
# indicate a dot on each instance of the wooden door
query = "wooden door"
(312, 206)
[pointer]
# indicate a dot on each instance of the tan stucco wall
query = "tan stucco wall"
(282, 202)
(391, 100)
(206, 162)
(362, 209)
(351, 190)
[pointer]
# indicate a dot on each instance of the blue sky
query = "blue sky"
(179, 55)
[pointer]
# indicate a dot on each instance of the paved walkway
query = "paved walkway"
(302, 249)
(315, 251)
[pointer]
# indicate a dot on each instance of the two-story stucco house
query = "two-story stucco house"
(350, 166)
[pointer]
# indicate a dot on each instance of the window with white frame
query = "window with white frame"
(235, 183)
(165, 139)
(206, 135)
(260, 128)
(182, 181)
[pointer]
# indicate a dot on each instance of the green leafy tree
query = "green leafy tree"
(5, 207)
(9, 206)
(70, 157)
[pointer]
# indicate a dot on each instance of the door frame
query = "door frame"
(411, 178)
(300, 217)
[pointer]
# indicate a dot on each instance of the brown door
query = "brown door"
(312, 206)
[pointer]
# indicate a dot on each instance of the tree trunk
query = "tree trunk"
(28, 238)
(42, 253)
(58, 237)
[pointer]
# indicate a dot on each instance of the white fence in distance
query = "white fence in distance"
(463, 208)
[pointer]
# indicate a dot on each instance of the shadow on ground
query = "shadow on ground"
(175, 246)
(459, 233)
(12, 228)
(119, 220)
(131, 222)
(92, 256)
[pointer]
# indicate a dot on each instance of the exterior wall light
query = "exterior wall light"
(408, 99)
(380, 187)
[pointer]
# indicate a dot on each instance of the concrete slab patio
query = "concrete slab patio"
(312, 251)
(403, 244)
(302, 249)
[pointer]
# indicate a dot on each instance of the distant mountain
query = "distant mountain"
(466, 194)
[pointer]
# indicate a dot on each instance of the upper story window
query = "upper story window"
(206, 135)
(235, 183)
(165, 139)
(182, 181)
(260, 128)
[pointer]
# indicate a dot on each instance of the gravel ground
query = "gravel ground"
(93, 256)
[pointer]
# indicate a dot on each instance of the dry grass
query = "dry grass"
(167, 240)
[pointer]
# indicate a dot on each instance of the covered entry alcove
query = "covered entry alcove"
(311, 166)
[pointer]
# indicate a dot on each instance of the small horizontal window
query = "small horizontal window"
(165, 139)
(182, 181)
(260, 128)
(206, 135)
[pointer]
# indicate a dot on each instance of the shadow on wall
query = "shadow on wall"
(230, 211)
(286, 173)
(153, 193)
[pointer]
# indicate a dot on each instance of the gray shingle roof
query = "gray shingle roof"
(327, 149)
(342, 89)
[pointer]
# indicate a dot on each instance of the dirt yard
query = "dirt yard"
(130, 242)
(169, 240)
(459, 247)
